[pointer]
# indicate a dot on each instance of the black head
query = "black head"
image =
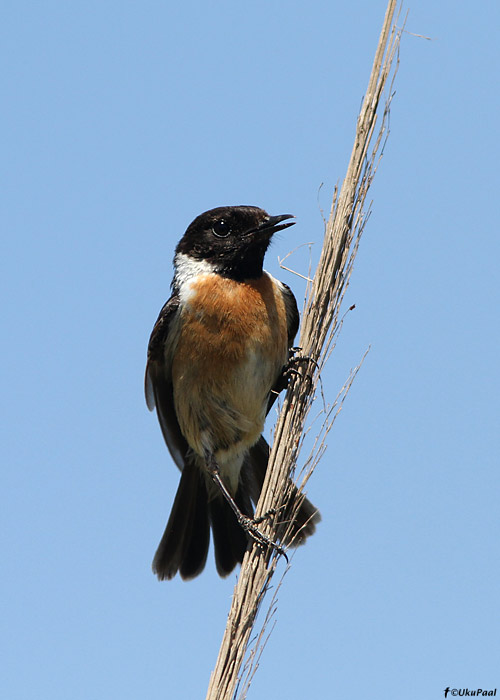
(233, 239)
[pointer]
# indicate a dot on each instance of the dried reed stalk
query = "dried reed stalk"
(320, 326)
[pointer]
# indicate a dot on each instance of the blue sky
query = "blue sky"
(121, 122)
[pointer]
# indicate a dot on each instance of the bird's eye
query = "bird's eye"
(221, 228)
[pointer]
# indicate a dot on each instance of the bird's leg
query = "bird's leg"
(249, 525)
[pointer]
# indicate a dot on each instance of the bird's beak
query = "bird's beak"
(273, 224)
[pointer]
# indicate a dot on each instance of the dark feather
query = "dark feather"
(253, 474)
(292, 313)
(156, 347)
(184, 544)
(230, 540)
(158, 384)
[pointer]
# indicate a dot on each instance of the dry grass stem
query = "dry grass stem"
(320, 327)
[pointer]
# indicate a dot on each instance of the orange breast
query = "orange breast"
(231, 348)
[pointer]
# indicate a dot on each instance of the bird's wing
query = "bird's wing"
(158, 380)
(292, 324)
(292, 312)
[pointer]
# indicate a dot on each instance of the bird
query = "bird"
(217, 358)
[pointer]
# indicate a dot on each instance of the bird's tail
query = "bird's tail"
(184, 545)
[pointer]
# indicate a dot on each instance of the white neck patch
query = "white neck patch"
(186, 270)
(187, 267)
